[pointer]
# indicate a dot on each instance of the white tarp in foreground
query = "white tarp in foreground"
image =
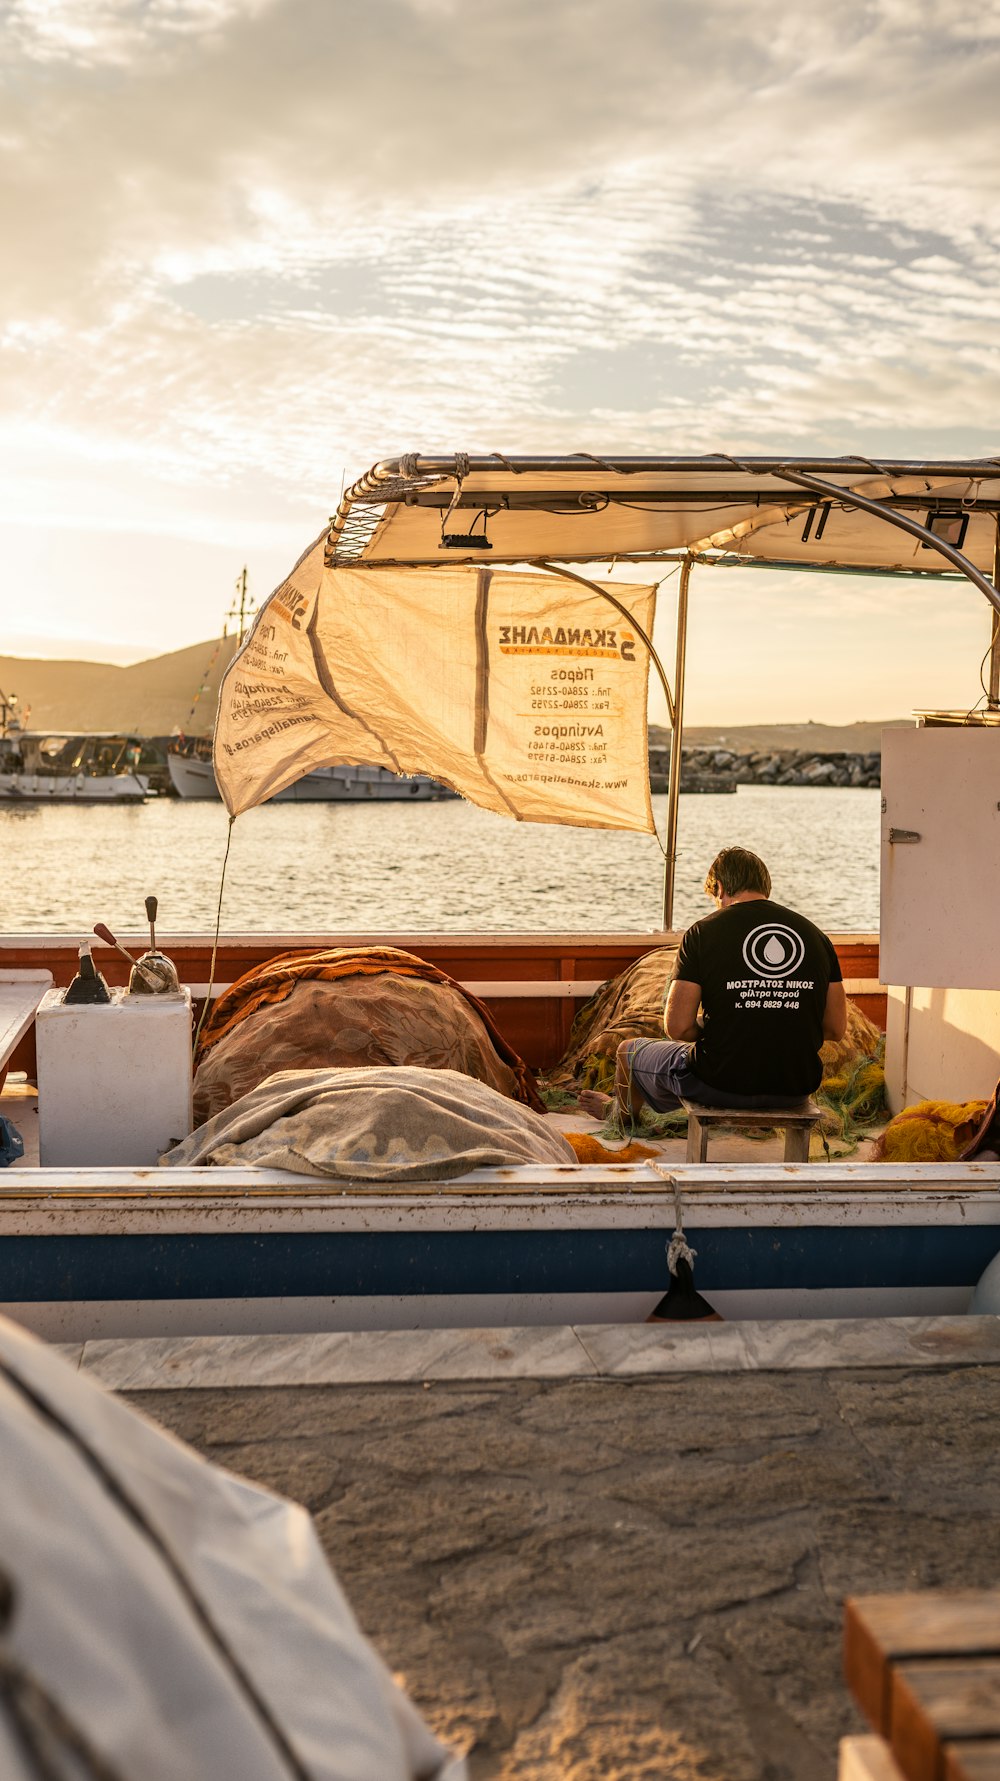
(524, 692)
(166, 1619)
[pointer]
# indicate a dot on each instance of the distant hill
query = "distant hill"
(150, 698)
(156, 697)
(858, 738)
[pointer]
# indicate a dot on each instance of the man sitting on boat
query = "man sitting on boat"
(756, 990)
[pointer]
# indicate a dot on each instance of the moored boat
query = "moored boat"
(247, 1249)
(237, 1252)
(59, 768)
(139, 1251)
(193, 776)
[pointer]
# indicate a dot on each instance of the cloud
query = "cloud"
(259, 243)
(241, 135)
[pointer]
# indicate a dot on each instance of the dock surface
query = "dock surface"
(634, 1573)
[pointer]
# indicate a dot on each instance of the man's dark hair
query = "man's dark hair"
(736, 869)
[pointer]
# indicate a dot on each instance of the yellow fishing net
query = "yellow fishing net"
(930, 1132)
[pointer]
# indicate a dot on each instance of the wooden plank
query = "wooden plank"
(538, 1029)
(806, 1114)
(941, 1701)
(882, 1630)
(20, 994)
(975, 1761)
(473, 955)
(532, 989)
(867, 1758)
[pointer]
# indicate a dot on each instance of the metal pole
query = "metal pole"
(674, 786)
(993, 695)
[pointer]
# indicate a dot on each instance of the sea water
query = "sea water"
(407, 868)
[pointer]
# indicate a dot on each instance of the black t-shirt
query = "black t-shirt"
(764, 972)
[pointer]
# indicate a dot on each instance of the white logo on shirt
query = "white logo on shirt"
(773, 950)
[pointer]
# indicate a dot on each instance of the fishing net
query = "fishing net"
(589, 1149)
(852, 1092)
(930, 1132)
(349, 1006)
(629, 1006)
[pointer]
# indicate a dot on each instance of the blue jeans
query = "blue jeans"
(661, 1070)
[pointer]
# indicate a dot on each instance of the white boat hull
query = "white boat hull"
(194, 778)
(73, 788)
(145, 1252)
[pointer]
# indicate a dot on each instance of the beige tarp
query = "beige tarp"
(524, 692)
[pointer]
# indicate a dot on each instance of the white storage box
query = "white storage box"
(114, 1079)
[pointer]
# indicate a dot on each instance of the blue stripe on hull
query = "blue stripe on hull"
(414, 1263)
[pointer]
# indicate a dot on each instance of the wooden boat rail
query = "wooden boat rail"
(532, 984)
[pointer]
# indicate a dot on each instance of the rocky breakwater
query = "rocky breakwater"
(722, 770)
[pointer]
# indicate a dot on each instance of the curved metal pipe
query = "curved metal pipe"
(846, 497)
(570, 574)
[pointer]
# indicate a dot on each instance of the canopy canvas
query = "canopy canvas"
(796, 512)
(526, 693)
(459, 514)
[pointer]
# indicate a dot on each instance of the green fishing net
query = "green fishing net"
(853, 1101)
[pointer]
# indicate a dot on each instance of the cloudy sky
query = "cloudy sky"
(250, 246)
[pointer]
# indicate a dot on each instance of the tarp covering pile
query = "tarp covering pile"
(349, 1006)
(373, 1125)
(162, 1618)
(524, 692)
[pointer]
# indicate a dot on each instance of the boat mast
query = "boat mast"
(9, 719)
(242, 608)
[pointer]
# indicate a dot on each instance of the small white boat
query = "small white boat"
(56, 767)
(193, 776)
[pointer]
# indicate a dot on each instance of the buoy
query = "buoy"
(681, 1303)
(986, 1298)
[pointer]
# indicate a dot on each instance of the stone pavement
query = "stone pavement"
(627, 1579)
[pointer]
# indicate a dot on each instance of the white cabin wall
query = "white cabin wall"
(951, 1051)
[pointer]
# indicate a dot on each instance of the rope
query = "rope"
(215, 942)
(206, 677)
(679, 1249)
(461, 471)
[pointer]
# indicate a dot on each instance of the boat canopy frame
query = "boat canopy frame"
(548, 512)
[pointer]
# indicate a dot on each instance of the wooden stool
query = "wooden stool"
(798, 1123)
(925, 1670)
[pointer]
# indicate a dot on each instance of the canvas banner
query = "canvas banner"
(524, 692)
